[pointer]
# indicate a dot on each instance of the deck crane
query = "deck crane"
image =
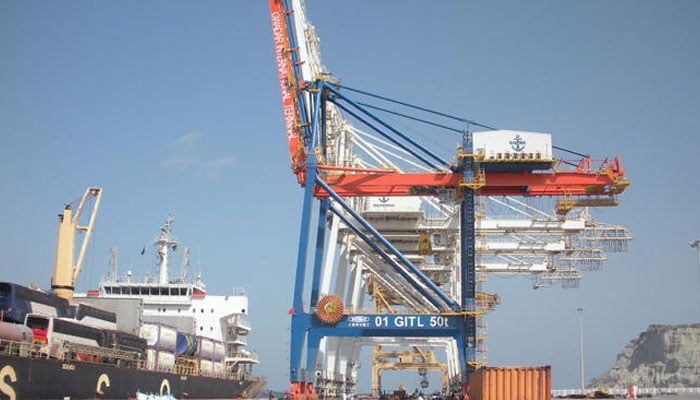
(66, 267)
(327, 318)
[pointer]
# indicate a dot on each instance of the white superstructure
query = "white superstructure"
(179, 303)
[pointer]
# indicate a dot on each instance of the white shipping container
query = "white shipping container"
(218, 368)
(158, 335)
(206, 367)
(205, 347)
(211, 349)
(513, 145)
(159, 360)
(219, 350)
(166, 361)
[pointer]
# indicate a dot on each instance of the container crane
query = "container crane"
(342, 252)
(66, 267)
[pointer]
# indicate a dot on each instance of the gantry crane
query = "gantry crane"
(344, 254)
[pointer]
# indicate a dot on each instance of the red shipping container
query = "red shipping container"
(511, 383)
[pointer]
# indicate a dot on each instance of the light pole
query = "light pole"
(696, 244)
(580, 328)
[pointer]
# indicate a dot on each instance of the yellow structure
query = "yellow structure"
(65, 269)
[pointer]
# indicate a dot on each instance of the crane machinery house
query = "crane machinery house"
(510, 151)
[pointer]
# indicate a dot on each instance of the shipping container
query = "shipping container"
(205, 347)
(160, 336)
(219, 350)
(209, 348)
(219, 368)
(159, 360)
(511, 383)
(206, 367)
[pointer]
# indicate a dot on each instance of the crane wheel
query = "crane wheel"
(329, 309)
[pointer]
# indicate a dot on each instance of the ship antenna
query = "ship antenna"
(113, 264)
(184, 270)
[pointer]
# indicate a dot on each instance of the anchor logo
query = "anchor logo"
(383, 202)
(517, 144)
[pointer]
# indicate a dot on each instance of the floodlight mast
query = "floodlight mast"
(696, 244)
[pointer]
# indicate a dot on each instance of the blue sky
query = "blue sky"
(173, 107)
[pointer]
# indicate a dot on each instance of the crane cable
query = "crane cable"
(460, 119)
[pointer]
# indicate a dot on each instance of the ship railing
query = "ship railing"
(245, 357)
(34, 350)
(102, 355)
(238, 376)
(237, 340)
(19, 349)
(238, 321)
(68, 351)
(74, 352)
(189, 366)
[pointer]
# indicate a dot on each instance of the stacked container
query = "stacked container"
(160, 340)
(210, 353)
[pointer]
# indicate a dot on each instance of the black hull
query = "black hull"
(28, 378)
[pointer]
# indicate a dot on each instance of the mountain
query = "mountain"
(662, 356)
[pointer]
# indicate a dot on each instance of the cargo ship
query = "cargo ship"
(152, 335)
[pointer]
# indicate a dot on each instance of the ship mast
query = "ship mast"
(164, 243)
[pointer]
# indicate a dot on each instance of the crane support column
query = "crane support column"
(468, 257)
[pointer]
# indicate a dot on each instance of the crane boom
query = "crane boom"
(66, 270)
(288, 88)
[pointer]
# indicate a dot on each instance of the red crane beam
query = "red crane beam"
(496, 184)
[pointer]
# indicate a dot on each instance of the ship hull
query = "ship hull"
(36, 378)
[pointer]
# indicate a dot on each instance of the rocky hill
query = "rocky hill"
(663, 356)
